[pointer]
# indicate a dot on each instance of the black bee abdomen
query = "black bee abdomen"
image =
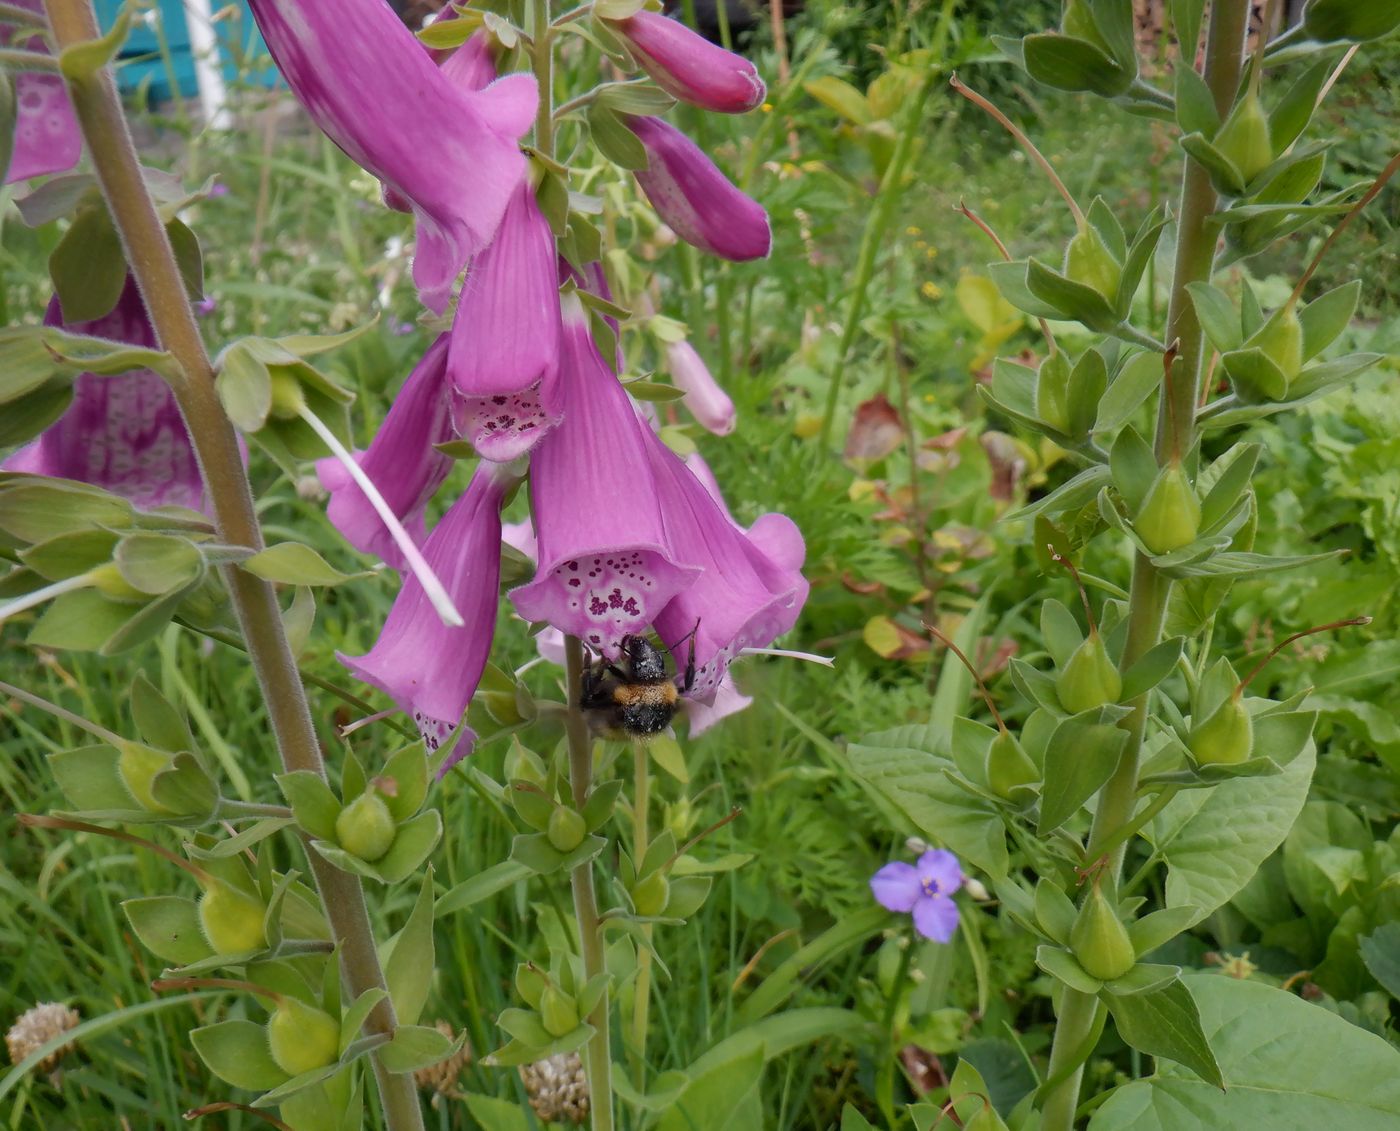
(646, 718)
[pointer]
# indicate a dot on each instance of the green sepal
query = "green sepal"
(237, 1053)
(1061, 965)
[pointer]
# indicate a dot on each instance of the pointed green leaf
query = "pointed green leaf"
(1165, 1022)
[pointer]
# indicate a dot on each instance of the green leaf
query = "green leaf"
(1060, 630)
(82, 621)
(408, 968)
(87, 354)
(1330, 20)
(839, 95)
(1218, 316)
(1062, 966)
(417, 1046)
(313, 804)
(1213, 841)
(28, 415)
(533, 851)
(157, 563)
(915, 781)
(244, 384)
(408, 769)
(1380, 950)
(1134, 467)
(634, 98)
(1151, 931)
(1195, 105)
(1067, 63)
(1142, 978)
(1286, 1063)
(294, 563)
(1223, 173)
(1081, 755)
(1165, 1022)
(88, 267)
(354, 1018)
(1073, 300)
(1295, 109)
(1054, 910)
(156, 719)
(188, 257)
(1137, 379)
(237, 1053)
(1327, 316)
(90, 779)
(1159, 662)
(724, 1094)
(168, 926)
(1232, 473)
(614, 140)
(184, 788)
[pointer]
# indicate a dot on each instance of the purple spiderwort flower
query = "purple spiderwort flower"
(750, 590)
(696, 200)
(428, 668)
(707, 402)
(47, 138)
(926, 888)
(504, 347)
(123, 433)
(606, 564)
(400, 461)
(690, 67)
(368, 84)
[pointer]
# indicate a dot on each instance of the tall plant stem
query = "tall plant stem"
(641, 839)
(597, 1053)
(152, 261)
(1150, 590)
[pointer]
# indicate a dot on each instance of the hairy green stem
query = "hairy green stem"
(641, 839)
(597, 1053)
(1150, 590)
(152, 261)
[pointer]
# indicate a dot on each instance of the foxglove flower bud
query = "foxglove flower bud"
(1089, 678)
(707, 402)
(1099, 940)
(695, 199)
(1225, 737)
(690, 67)
(1170, 516)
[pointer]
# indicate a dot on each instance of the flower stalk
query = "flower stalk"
(1147, 601)
(152, 260)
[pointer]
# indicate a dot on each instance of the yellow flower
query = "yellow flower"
(931, 290)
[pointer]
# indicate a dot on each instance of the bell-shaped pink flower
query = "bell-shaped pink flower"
(707, 402)
(47, 138)
(123, 433)
(431, 670)
(505, 339)
(451, 154)
(690, 67)
(606, 565)
(400, 461)
(695, 199)
(750, 590)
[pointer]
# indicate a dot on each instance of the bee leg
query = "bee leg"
(689, 679)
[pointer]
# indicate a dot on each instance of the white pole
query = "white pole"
(208, 64)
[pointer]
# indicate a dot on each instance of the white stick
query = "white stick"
(208, 65)
(39, 596)
(421, 569)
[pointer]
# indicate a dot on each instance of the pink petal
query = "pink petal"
(690, 67)
(727, 700)
(46, 137)
(707, 402)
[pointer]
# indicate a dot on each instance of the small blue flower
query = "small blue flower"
(926, 889)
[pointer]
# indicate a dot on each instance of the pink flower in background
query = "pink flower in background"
(428, 668)
(696, 200)
(707, 402)
(690, 67)
(401, 461)
(47, 138)
(505, 338)
(123, 433)
(451, 154)
(925, 889)
(606, 563)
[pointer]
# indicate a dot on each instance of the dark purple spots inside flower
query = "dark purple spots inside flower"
(615, 599)
(575, 582)
(630, 607)
(572, 566)
(597, 606)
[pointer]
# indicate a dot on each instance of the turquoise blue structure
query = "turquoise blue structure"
(151, 69)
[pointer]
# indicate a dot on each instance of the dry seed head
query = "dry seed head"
(557, 1087)
(37, 1026)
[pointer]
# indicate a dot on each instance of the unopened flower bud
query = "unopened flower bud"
(1008, 766)
(302, 1037)
(138, 766)
(690, 67)
(1170, 516)
(977, 889)
(917, 845)
(1089, 679)
(1100, 941)
(708, 403)
(566, 829)
(232, 919)
(1088, 261)
(558, 1011)
(365, 827)
(1282, 341)
(1244, 138)
(650, 894)
(1224, 737)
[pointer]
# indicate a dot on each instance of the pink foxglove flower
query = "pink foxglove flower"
(925, 889)
(690, 67)
(606, 564)
(428, 668)
(696, 200)
(47, 138)
(750, 590)
(505, 339)
(728, 700)
(707, 402)
(400, 461)
(123, 433)
(452, 155)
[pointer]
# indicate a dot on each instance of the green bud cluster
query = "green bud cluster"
(1009, 766)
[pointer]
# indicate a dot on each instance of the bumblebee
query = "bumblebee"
(636, 697)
